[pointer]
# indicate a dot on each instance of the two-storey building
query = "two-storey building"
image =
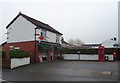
(37, 38)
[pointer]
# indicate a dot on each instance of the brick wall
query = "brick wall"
(28, 46)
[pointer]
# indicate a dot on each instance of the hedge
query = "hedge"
(19, 54)
(82, 51)
(90, 51)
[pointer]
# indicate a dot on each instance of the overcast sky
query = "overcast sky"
(91, 21)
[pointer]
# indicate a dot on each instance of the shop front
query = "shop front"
(49, 51)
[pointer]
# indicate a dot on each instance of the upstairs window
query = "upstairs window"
(43, 33)
(57, 38)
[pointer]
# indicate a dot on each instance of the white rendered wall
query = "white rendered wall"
(84, 57)
(20, 30)
(16, 62)
(70, 56)
(89, 57)
(60, 39)
(51, 37)
(110, 57)
(38, 31)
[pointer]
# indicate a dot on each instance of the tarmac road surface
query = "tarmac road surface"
(64, 71)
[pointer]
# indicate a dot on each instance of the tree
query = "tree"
(76, 42)
(71, 41)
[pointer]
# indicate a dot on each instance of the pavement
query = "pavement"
(64, 71)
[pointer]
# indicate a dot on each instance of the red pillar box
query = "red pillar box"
(101, 53)
(114, 55)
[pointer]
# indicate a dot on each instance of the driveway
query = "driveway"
(64, 71)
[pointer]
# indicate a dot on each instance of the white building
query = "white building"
(22, 28)
(110, 43)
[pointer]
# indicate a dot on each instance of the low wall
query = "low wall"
(16, 62)
(70, 56)
(88, 57)
(84, 57)
(110, 57)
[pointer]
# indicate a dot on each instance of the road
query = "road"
(64, 71)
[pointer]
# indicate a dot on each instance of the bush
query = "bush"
(109, 50)
(19, 54)
(82, 51)
(90, 51)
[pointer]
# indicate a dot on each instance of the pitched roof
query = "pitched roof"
(4, 43)
(37, 23)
